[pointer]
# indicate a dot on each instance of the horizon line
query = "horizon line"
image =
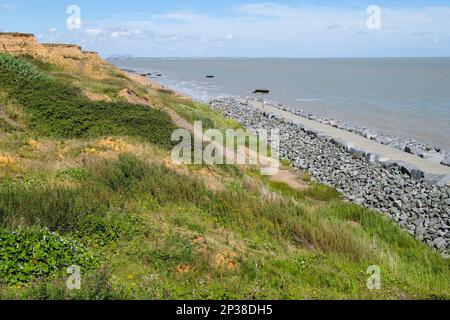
(118, 57)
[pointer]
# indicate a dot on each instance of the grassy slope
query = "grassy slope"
(146, 229)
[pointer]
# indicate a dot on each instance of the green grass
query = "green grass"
(59, 110)
(192, 111)
(6, 127)
(146, 215)
(42, 65)
(314, 191)
(321, 192)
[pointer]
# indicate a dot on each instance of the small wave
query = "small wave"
(308, 99)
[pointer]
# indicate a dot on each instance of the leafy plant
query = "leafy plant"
(21, 67)
(37, 253)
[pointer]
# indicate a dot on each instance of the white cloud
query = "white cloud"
(267, 9)
(94, 32)
(271, 29)
(178, 15)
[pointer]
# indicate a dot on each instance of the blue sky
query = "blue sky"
(238, 28)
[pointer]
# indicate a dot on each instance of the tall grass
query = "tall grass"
(112, 183)
(341, 239)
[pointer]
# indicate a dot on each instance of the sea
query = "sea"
(403, 97)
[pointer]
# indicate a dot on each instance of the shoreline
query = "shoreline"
(433, 154)
(146, 81)
(421, 208)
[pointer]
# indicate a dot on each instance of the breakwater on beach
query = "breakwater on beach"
(421, 207)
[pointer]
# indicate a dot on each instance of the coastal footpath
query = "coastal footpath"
(394, 188)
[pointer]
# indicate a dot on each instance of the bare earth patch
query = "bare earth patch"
(182, 269)
(132, 97)
(118, 145)
(291, 178)
(225, 261)
(96, 96)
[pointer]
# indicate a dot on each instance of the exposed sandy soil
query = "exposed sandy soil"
(144, 81)
(96, 96)
(288, 176)
(291, 178)
(133, 97)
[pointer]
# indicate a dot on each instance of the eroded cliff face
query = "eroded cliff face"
(91, 55)
(68, 51)
(69, 56)
(20, 43)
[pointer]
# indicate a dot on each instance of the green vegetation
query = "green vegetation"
(21, 68)
(58, 109)
(140, 228)
(37, 253)
(152, 220)
(192, 111)
(6, 127)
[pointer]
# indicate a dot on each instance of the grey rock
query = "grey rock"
(433, 157)
(432, 178)
(386, 163)
(384, 140)
(446, 161)
(398, 204)
(440, 243)
(444, 181)
(411, 170)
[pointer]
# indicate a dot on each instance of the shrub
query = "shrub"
(59, 109)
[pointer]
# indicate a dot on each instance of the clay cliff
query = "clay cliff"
(66, 55)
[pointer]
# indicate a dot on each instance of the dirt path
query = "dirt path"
(288, 176)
